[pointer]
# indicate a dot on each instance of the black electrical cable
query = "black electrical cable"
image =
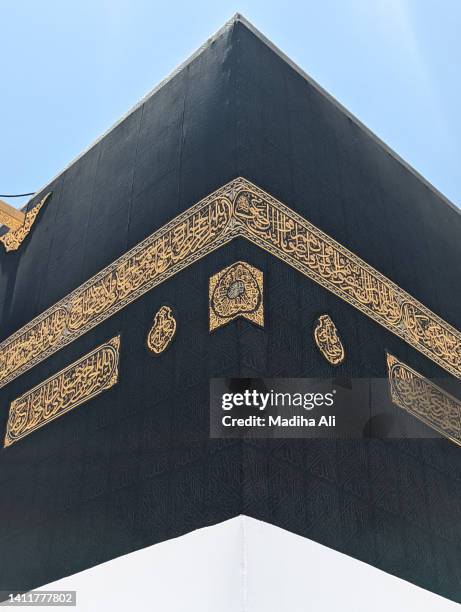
(16, 195)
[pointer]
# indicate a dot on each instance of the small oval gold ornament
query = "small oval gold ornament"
(162, 330)
(327, 340)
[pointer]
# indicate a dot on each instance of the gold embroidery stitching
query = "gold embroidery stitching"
(236, 291)
(279, 230)
(162, 331)
(69, 388)
(203, 228)
(13, 239)
(423, 399)
(237, 209)
(11, 217)
(327, 340)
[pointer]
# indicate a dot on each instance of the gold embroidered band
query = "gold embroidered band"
(76, 384)
(237, 209)
(423, 399)
(193, 234)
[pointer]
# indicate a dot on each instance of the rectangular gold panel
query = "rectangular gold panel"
(423, 399)
(236, 291)
(69, 388)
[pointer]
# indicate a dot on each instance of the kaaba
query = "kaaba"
(237, 225)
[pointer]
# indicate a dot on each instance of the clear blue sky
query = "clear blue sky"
(69, 69)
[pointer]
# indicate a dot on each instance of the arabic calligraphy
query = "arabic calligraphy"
(13, 239)
(423, 399)
(327, 340)
(193, 234)
(76, 384)
(38, 341)
(279, 230)
(236, 291)
(239, 209)
(162, 330)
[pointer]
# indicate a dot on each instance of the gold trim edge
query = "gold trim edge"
(72, 386)
(13, 239)
(238, 209)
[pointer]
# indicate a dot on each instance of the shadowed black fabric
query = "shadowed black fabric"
(135, 466)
